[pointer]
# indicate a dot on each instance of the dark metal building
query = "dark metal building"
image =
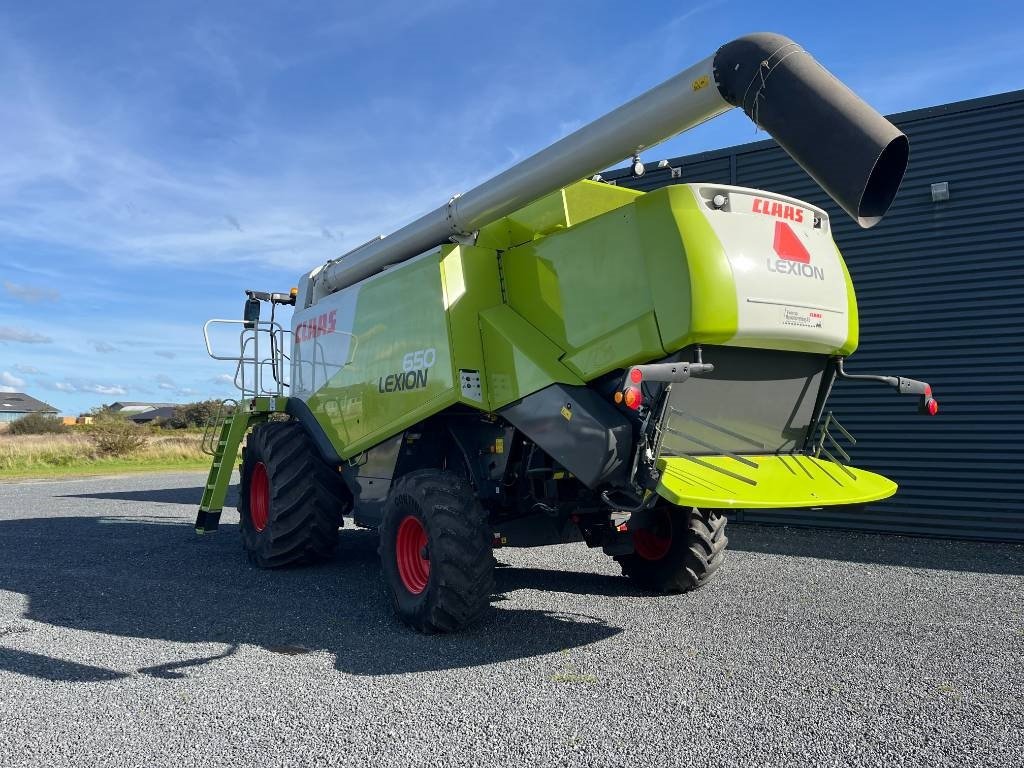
(940, 284)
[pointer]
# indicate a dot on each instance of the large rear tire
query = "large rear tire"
(679, 552)
(290, 502)
(436, 551)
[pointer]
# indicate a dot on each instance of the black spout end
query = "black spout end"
(856, 155)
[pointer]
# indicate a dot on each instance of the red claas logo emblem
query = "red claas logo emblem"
(788, 245)
(793, 256)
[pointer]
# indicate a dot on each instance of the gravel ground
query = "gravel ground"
(126, 640)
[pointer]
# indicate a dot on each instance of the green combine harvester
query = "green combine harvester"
(548, 358)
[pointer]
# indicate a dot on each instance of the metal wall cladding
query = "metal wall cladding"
(940, 287)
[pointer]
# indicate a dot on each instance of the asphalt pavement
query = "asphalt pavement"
(126, 640)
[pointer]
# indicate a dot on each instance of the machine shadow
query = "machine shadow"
(186, 496)
(508, 579)
(153, 578)
(878, 548)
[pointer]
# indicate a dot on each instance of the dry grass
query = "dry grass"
(39, 455)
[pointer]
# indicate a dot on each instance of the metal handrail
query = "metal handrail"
(249, 378)
(213, 427)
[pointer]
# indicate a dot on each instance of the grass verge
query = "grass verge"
(41, 456)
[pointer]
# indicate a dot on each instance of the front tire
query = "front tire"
(436, 551)
(680, 552)
(290, 502)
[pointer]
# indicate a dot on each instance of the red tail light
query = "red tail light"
(633, 399)
(636, 375)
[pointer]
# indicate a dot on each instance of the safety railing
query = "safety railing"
(261, 362)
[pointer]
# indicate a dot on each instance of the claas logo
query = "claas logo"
(310, 329)
(779, 210)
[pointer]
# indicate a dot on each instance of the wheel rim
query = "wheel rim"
(410, 553)
(655, 542)
(259, 497)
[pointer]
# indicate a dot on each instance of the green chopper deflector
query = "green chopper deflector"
(544, 359)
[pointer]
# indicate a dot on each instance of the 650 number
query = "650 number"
(420, 359)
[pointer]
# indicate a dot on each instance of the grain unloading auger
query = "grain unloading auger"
(544, 359)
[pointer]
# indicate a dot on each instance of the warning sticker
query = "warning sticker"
(801, 318)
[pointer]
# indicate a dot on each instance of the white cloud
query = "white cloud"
(103, 389)
(129, 204)
(166, 383)
(30, 294)
(103, 347)
(87, 386)
(11, 380)
(5, 388)
(23, 336)
(29, 369)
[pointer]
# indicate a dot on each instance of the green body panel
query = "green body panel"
(576, 288)
(628, 286)
(853, 318)
(777, 482)
(560, 210)
(471, 285)
(587, 280)
(519, 359)
(399, 312)
(693, 293)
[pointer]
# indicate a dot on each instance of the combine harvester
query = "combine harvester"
(544, 359)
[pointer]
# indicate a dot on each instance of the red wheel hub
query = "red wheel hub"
(259, 497)
(655, 542)
(411, 554)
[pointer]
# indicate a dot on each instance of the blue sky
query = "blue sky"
(158, 158)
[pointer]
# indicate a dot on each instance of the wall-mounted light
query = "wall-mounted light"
(940, 191)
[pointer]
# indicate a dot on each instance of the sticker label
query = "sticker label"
(801, 318)
(701, 82)
(566, 413)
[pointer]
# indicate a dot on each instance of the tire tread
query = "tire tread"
(308, 499)
(692, 559)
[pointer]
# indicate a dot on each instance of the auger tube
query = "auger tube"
(856, 155)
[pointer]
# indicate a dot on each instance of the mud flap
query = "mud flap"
(766, 482)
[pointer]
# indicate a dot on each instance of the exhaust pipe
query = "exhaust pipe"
(852, 152)
(855, 154)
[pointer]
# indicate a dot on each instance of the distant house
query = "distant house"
(17, 405)
(128, 408)
(145, 417)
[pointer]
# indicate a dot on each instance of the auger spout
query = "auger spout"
(856, 155)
